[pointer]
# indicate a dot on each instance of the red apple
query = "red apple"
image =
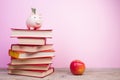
(77, 67)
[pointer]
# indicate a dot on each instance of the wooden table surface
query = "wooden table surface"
(65, 74)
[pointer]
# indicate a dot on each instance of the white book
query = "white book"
(46, 60)
(32, 41)
(31, 48)
(24, 55)
(31, 33)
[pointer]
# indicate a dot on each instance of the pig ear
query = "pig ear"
(33, 10)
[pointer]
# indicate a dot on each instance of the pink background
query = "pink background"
(88, 30)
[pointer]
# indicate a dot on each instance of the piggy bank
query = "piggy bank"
(34, 20)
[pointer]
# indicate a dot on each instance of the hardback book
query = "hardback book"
(46, 60)
(31, 33)
(30, 66)
(22, 55)
(31, 73)
(31, 41)
(31, 48)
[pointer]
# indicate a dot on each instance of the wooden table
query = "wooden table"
(65, 74)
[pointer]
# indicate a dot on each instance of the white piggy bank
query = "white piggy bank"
(34, 21)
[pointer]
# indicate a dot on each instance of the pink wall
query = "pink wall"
(88, 30)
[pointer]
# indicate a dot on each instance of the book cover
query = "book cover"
(30, 66)
(31, 33)
(22, 55)
(31, 41)
(31, 73)
(31, 48)
(45, 60)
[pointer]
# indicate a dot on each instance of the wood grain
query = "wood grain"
(65, 74)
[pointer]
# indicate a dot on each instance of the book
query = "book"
(31, 73)
(31, 41)
(22, 55)
(31, 48)
(31, 33)
(47, 60)
(30, 66)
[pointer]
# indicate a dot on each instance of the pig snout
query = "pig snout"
(38, 23)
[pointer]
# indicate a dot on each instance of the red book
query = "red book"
(31, 48)
(45, 60)
(30, 66)
(31, 33)
(31, 73)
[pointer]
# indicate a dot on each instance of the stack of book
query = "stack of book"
(32, 55)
